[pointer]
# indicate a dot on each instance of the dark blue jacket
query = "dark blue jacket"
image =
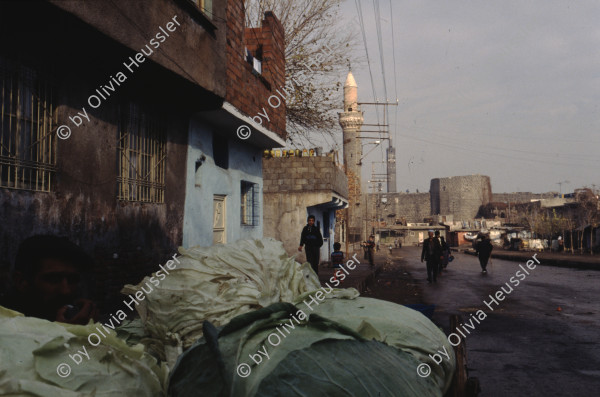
(311, 237)
(337, 258)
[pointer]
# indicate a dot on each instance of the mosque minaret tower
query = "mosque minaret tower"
(351, 121)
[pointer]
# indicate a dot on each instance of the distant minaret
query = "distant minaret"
(391, 168)
(351, 121)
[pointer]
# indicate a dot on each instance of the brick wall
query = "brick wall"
(246, 90)
(303, 174)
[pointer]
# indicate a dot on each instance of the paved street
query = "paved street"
(525, 346)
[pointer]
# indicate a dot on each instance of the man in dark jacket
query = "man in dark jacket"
(370, 250)
(484, 251)
(445, 251)
(432, 253)
(312, 240)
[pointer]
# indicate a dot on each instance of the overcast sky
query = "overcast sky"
(508, 89)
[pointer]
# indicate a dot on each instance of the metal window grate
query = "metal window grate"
(249, 204)
(27, 123)
(142, 156)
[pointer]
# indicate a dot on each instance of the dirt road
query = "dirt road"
(526, 345)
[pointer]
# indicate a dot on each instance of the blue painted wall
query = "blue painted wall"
(245, 164)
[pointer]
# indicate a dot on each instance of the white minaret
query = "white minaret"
(351, 121)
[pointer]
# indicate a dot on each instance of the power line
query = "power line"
(470, 150)
(377, 16)
(496, 147)
(364, 36)
(395, 80)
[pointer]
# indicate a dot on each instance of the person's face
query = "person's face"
(311, 221)
(54, 285)
(430, 234)
(57, 280)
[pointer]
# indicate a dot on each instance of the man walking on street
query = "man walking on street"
(370, 248)
(312, 240)
(432, 253)
(445, 252)
(484, 251)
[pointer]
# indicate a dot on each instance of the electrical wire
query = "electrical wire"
(429, 132)
(395, 79)
(364, 36)
(472, 151)
(377, 15)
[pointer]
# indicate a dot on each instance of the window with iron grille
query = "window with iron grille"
(27, 123)
(142, 155)
(249, 205)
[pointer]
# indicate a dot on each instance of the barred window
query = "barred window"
(27, 123)
(142, 156)
(249, 205)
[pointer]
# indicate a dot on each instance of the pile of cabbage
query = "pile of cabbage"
(216, 284)
(35, 360)
(219, 307)
(345, 347)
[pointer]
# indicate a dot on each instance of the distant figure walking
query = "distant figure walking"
(432, 254)
(370, 245)
(445, 251)
(561, 244)
(484, 252)
(312, 240)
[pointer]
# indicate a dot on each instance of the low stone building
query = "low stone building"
(295, 187)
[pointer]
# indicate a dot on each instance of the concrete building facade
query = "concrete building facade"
(224, 172)
(157, 163)
(295, 187)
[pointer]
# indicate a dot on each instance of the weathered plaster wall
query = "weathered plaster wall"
(245, 163)
(285, 215)
(126, 239)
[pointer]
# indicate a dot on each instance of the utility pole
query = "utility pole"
(560, 186)
(390, 171)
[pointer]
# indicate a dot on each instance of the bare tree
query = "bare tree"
(317, 45)
(531, 217)
(589, 214)
(570, 224)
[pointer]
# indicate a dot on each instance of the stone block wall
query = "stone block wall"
(520, 197)
(461, 196)
(408, 207)
(303, 174)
